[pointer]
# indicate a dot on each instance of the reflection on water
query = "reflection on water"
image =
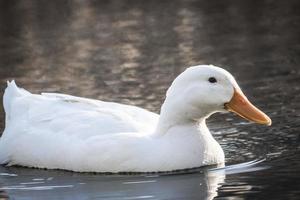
(129, 52)
(198, 183)
(51, 184)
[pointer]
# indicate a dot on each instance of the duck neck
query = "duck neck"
(172, 115)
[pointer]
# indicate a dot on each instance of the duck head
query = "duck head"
(202, 90)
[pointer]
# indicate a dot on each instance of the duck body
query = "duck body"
(58, 131)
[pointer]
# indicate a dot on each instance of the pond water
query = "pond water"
(129, 52)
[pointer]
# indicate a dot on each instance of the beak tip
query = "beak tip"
(269, 123)
(266, 121)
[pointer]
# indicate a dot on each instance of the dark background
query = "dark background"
(130, 51)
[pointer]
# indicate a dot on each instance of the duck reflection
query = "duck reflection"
(203, 185)
(197, 184)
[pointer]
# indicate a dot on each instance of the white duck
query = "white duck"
(58, 131)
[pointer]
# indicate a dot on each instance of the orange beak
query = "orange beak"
(240, 105)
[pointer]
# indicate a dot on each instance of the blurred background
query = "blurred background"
(130, 51)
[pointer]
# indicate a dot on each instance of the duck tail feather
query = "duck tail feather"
(11, 92)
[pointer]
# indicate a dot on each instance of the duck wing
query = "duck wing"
(70, 115)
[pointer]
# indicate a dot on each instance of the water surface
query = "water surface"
(129, 52)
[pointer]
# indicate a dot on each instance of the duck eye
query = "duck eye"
(212, 80)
